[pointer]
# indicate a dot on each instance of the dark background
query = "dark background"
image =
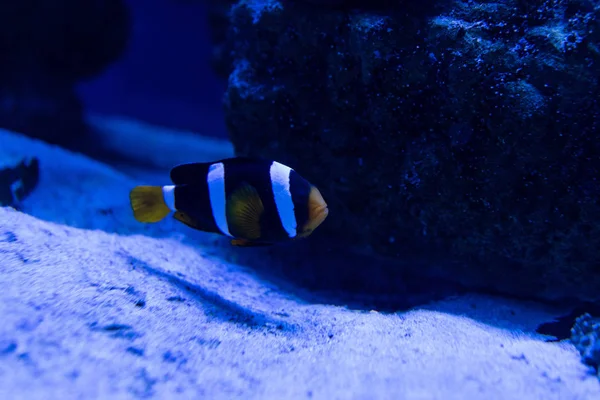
(164, 77)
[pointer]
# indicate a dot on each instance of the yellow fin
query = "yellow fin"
(148, 203)
(244, 211)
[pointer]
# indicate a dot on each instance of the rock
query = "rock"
(18, 181)
(357, 4)
(218, 22)
(47, 46)
(459, 140)
(585, 336)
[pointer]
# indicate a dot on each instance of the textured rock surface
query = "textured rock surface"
(218, 21)
(460, 140)
(586, 338)
(95, 305)
(47, 46)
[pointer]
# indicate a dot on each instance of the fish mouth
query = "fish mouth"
(320, 213)
(317, 216)
(317, 212)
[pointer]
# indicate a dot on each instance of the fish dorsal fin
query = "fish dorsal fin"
(244, 212)
(190, 173)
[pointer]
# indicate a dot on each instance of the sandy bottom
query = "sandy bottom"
(95, 305)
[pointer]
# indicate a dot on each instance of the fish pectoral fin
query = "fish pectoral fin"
(185, 219)
(244, 211)
(148, 203)
(247, 243)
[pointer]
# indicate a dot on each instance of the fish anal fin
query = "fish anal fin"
(248, 243)
(186, 220)
(244, 212)
(148, 203)
(189, 173)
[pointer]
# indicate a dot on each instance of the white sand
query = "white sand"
(94, 305)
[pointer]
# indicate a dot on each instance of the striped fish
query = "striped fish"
(254, 202)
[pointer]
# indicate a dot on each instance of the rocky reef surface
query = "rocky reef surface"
(457, 138)
(586, 338)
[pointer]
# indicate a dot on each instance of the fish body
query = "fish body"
(254, 202)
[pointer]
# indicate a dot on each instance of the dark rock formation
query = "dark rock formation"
(585, 336)
(47, 46)
(18, 181)
(358, 4)
(460, 139)
(218, 21)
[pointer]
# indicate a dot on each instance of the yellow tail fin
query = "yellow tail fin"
(148, 203)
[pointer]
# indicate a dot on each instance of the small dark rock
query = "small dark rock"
(17, 182)
(117, 330)
(8, 237)
(139, 297)
(169, 357)
(140, 303)
(174, 357)
(116, 327)
(7, 347)
(136, 351)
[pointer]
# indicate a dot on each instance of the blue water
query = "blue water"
(164, 77)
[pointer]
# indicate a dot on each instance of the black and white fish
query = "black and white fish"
(253, 201)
